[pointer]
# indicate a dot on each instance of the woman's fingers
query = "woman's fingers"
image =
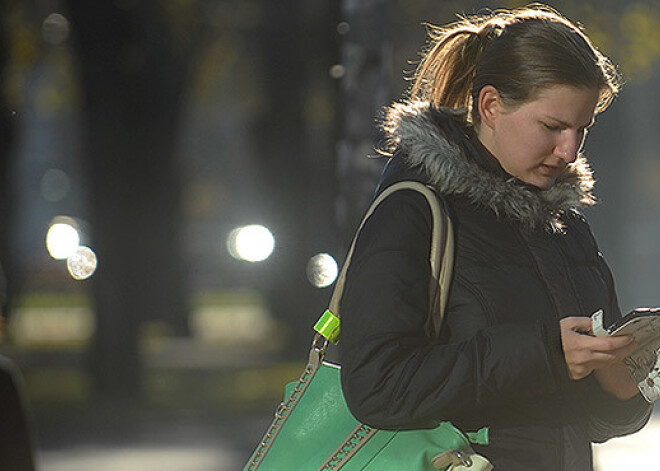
(627, 349)
(582, 324)
(612, 345)
(584, 353)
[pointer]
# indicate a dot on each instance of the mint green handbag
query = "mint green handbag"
(313, 428)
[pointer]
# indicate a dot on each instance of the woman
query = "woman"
(499, 109)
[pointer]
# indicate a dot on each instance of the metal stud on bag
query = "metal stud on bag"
(451, 458)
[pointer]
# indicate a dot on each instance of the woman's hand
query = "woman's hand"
(616, 380)
(585, 353)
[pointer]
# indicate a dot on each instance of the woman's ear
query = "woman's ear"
(490, 105)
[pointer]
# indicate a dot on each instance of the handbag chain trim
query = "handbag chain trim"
(316, 355)
(351, 445)
(450, 459)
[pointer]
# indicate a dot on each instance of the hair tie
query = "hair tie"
(494, 31)
(477, 42)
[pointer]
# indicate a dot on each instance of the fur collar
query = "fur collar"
(436, 141)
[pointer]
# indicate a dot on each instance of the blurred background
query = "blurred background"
(179, 180)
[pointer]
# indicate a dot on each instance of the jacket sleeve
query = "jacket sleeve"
(394, 376)
(608, 416)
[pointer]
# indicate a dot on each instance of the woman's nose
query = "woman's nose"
(568, 146)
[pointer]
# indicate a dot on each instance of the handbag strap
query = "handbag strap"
(441, 255)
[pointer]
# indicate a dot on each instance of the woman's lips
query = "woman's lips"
(550, 170)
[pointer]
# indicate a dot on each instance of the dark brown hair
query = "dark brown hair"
(519, 52)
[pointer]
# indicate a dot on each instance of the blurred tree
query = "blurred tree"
(8, 288)
(6, 200)
(297, 46)
(134, 62)
(366, 89)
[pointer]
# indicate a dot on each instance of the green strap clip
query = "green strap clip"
(328, 326)
(480, 437)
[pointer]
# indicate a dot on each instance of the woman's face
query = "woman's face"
(536, 140)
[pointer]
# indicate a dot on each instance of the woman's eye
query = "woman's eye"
(551, 127)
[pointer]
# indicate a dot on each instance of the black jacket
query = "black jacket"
(525, 258)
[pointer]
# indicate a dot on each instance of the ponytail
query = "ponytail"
(445, 75)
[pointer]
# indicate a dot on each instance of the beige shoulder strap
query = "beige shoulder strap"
(441, 255)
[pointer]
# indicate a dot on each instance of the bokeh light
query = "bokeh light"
(62, 240)
(343, 28)
(253, 243)
(55, 29)
(82, 263)
(322, 270)
(337, 71)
